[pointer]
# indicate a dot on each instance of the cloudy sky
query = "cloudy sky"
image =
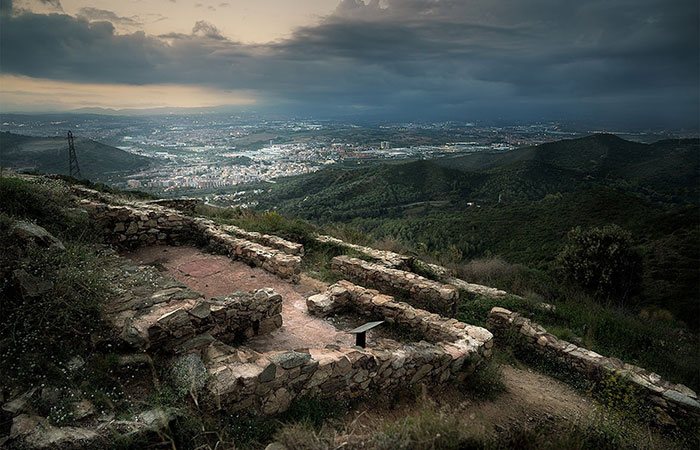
(623, 61)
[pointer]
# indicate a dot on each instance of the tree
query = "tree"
(603, 262)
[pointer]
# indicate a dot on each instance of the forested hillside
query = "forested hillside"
(521, 205)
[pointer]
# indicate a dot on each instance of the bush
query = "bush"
(36, 332)
(603, 262)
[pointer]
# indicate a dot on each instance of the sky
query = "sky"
(630, 62)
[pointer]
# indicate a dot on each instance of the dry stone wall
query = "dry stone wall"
(670, 402)
(274, 261)
(383, 257)
(186, 205)
(177, 319)
(291, 248)
(269, 382)
(425, 293)
(140, 224)
(397, 261)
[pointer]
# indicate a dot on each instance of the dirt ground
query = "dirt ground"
(217, 275)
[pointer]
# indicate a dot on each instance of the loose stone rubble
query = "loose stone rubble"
(425, 293)
(291, 248)
(670, 402)
(269, 382)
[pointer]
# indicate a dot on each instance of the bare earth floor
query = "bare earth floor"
(216, 275)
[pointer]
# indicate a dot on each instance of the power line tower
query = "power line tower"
(73, 168)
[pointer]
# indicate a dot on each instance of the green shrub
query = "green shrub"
(37, 331)
(603, 262)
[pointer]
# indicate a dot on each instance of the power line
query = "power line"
(73, 168)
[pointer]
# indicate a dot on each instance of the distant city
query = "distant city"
(210, 154)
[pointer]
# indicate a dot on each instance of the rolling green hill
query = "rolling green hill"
(520, 205)
(49, 155)
(667, 170)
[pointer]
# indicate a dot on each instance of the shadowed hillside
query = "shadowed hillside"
(50, 155)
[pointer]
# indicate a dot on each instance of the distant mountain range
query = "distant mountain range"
(50, 155)
(665, 172)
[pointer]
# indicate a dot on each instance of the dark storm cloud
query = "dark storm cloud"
(432, 58)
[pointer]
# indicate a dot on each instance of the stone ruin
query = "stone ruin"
(423, 292)
(269, 382)
(134, 225)
(183, 327)
(669, 402)
(173, 320)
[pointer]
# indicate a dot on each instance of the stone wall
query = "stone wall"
(269, 382)
(383, 257)
(134, 225)
(177, 319)
(443, 274)
(670, 402)
(421, 291)
(291, 248)
(186, 205)
(370, 303)
(274, 261)
(398, 261)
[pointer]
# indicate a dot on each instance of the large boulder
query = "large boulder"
(30, 285)
(31, 232)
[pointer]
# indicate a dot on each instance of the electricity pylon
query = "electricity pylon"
(73, 168)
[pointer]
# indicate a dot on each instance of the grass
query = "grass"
(607, 330)
(431, 427)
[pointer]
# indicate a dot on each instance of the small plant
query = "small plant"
(486, 383)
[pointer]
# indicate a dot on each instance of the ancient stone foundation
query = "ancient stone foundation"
(670, 402)
(177, 319)
(383, 257)
(276, 242)
(134, 225)
(420, 291)
(269, 382)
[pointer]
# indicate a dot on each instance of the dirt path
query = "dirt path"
(216, 275)
(530, 400)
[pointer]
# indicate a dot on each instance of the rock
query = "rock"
(156, 418)
(37, 432)
(30, 232)
(187, 373)
(276, 446)
(83, 409)
(51, 395)
(268, 374)
(19, 404)
(682, 399)
(196, 342)
(289, 360)
(29, 285)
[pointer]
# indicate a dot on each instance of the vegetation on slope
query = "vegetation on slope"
(521, 205)
(50, 155)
